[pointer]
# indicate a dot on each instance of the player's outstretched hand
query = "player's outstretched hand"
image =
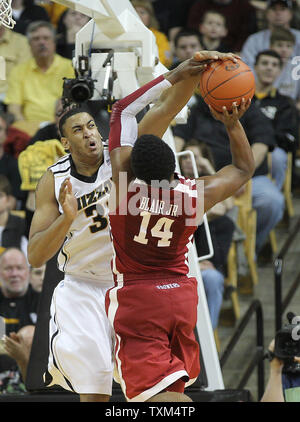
(229, 119)
(68, 200)
(209, 56)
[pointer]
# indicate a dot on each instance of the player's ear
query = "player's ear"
(65, 143)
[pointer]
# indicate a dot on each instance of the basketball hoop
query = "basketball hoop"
(6, 14)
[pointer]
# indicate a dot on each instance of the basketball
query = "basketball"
(225, 82)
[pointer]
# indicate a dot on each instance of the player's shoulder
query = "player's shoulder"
(62, 165)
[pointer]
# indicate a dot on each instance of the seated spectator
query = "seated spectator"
(280, 109)
(70, 22)
(214, 270)
(12, 227)
(172, 16)
(37, 278)
(14, 48)
(18, 347)
(186, 43)
(9, 166)
(283, 41)
(54, 10)
(35, 85)
(18, 305)
(213, 29)
(145, 11)
(279, 13)
(240, 18)
(49, 130)
(26, 11)
(267, 199)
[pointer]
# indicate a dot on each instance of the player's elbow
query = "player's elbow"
(34, 258)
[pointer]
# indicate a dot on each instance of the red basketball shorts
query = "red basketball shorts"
(154, 325)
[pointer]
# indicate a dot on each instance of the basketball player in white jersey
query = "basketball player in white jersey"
(72, 216)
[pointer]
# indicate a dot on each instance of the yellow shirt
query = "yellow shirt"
(15, 49)
(37, 91)
(163, 45)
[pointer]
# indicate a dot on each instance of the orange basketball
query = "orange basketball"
(225, 82)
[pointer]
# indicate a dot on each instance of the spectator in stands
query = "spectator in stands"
(240, 18)
(34, 86)
(14, 48)
(186, 43)
(70, 22)
(279, 13)
(283, 41)
(18, 300)
(37, 278)
(50, 130)
(280, 109)
(12, 227)
(18, 305)
(267, 200)
(26, 11)
(9, 166)
(54, 10)
(213, 270)
(213, 29)
(145, 11)
(18, 347)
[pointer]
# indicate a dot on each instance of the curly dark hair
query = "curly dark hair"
(152, 159)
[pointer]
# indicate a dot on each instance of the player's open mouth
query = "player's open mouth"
(92, 145)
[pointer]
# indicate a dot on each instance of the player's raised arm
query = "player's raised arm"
(48, 227)
(124, 129)
(230, 178)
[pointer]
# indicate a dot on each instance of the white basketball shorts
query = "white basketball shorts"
(80, 339)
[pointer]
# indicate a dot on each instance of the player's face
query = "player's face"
(267, 69)
(82, 138)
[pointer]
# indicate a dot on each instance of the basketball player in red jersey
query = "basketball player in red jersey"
(153, 305)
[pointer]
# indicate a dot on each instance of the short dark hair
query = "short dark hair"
(70, 111)
(186, 32)
(282, 34)
(270, 53)
(152, 159)
(213, 12)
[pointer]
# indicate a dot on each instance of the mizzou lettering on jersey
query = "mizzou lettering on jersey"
(90, 198)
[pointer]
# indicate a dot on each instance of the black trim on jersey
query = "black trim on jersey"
(61, 171)
(54, 360)
(66, 257)
(87, 179)
(60, 161)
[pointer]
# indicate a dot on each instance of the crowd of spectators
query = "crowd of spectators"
(38, 53)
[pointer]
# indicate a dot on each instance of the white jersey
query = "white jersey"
(87, 250)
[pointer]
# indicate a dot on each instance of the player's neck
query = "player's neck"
(87, 168)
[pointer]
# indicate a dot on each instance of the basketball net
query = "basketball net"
(6, 14)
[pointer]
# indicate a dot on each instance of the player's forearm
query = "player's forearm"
(43, 245)
(242, 156)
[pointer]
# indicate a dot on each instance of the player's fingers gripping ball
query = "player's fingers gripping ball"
(226, 82)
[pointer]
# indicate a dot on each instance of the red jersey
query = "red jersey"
(155, 235)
